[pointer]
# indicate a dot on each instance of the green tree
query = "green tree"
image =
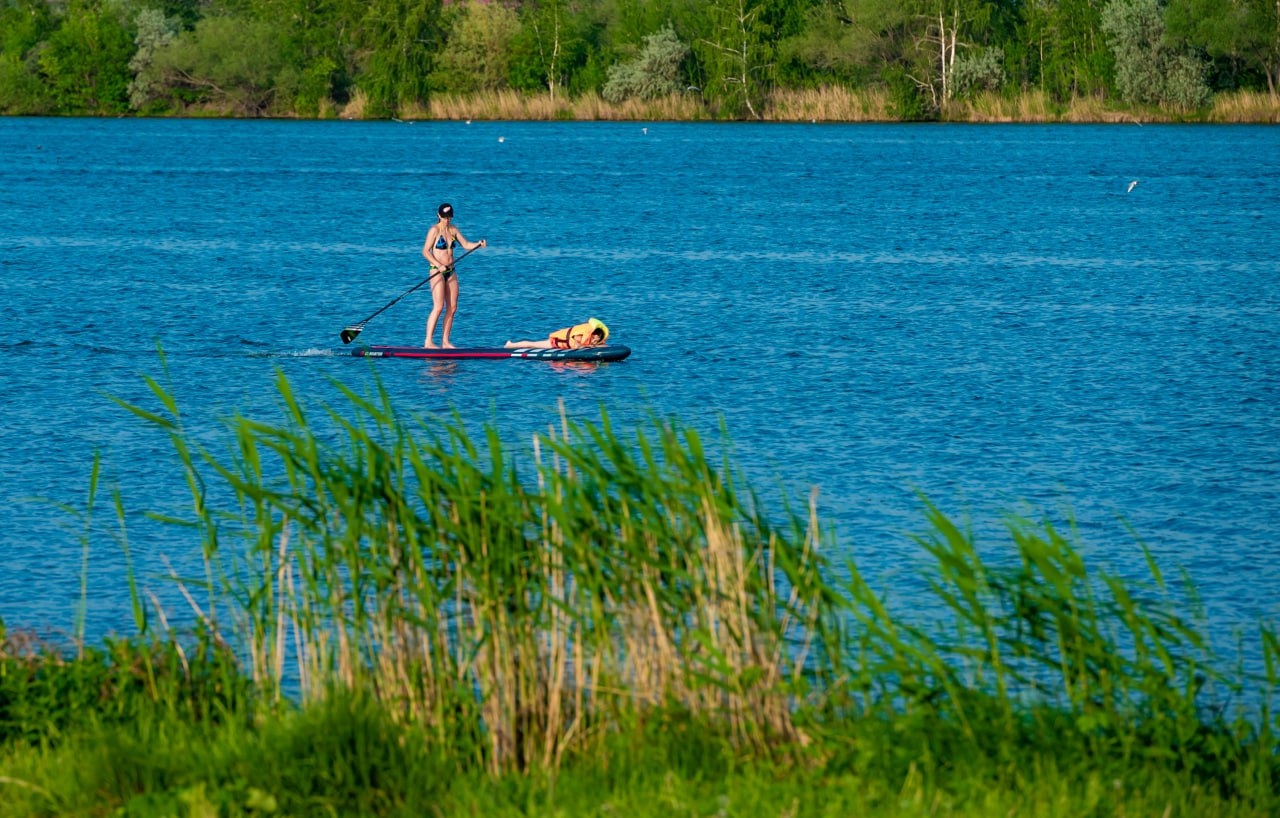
(24, 25)
(629, 21)
(316, 45)
(477, 53)
(1148, 71)
(655, 72)
(398, 41)
(229, 63)
(186, 12)
(1243, 36)
(155, 31)
(85, 61)
(737, 53)
(1064, 50)
(942, 33)
(847, 41)
(979, 70)
(558, 47)
(924, 51)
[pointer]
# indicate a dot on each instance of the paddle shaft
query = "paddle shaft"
(348, 334)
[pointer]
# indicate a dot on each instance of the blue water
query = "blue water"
(979, 313)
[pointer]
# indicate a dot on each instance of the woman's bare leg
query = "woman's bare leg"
(543, 344)
(438, 292)
(450, 309)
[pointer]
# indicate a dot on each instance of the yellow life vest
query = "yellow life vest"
(579, 335)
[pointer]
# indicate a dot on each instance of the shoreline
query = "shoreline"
(827, 105)
(624, 630)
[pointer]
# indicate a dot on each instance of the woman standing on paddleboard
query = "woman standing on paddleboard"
(442, 239)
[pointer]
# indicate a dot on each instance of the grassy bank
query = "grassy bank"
(406, 619)
(831, 104)
(827, 104)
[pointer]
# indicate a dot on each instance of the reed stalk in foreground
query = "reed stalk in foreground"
(446, 606)
(523, 608)
(539, 599)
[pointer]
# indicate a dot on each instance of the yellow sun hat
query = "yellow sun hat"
(596, 323)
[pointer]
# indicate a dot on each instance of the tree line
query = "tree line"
(311, 57)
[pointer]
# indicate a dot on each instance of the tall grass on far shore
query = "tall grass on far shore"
(512, 105)
(829, 104)
(1245, 106)
(1038, 107)
(684, 106)
(1031, 106)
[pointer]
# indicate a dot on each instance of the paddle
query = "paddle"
(349, 333)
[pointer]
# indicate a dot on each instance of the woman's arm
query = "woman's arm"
(429, 247)
(468, 245)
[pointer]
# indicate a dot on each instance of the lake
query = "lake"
(984, 315)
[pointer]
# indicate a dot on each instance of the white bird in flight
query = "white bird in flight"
(1132, 185)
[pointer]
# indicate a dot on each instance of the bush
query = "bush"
(980, 71)
(21, 91)
(85, 62)
(45, 691)
(477, 54)
(654, 73)
(155, 31)
(228, 62)
(1148, 71)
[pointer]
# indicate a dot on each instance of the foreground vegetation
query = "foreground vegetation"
(397, 618)
(643, 59)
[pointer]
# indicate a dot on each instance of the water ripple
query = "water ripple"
(982, 315)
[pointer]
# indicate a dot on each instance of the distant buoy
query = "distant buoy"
(502, 139)
(468, 122)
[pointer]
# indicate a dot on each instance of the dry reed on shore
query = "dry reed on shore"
(525, 613)
(1245, 107)
(499, 105)
(1033, 106)
(828, 104)
(511, 105)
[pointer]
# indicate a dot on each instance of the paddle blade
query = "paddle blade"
(349, 333)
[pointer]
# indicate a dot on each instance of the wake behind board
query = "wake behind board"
(591, 354)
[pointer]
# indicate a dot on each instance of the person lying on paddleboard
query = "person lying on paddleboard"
(591, 334)
(442, 239)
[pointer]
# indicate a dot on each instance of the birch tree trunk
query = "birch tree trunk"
(946, 41)
(1273, 62)
(551, 60)
(936, 41)
(740, 49)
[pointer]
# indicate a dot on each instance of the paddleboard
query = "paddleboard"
(592, 354)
